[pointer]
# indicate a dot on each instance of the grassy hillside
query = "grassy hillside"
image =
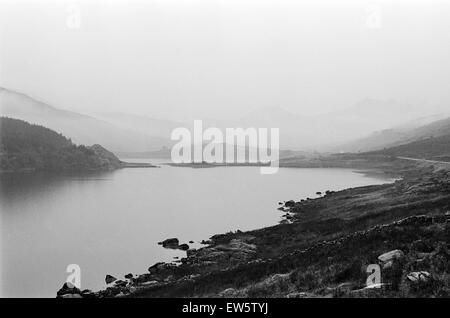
(415, 131)
(433, 148)
(24, 146)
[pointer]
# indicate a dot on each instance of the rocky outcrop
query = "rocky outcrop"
(234, 252)
(387, 259)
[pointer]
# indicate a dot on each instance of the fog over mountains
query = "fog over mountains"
(81, 129)
(369, 125)
(422, 128)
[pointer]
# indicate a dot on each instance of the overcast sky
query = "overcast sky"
(193, 59)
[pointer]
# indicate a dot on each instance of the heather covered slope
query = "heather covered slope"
(433, 148)
(431, 126)
(27, 147)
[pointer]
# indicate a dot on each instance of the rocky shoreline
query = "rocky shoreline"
(322, 250)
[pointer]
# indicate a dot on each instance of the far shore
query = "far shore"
(137, 165)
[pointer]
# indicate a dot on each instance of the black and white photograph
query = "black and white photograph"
(225, 154)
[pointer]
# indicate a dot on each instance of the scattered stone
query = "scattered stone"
(149, 283)
(191, 242)
(68, 288)
(289, 203)
(390, 256)
(319, 193)
(170, 243)
(158, 265)
(387, 259)
(300, 295)
(71, 296)
(417, 277)
(87, 293)
(128, 276)
(342, 288)
(120, 283)
(183, 247)
(110, 279)
(228, 293)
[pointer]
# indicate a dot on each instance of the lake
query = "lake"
(110, 222)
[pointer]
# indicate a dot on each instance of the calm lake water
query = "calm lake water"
(110, 223)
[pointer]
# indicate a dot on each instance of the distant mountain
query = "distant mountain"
(142, 124)
(323, 132)
(272, 117)
(25, 147)
(422, 128)
(82, 129)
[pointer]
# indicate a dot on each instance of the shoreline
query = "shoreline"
(232, 256)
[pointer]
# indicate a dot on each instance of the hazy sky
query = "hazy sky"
(209, 58)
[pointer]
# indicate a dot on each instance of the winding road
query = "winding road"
(425, 160)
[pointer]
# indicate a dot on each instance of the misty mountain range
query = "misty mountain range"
(369, 125)
(80, 128)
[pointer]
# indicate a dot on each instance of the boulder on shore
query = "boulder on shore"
(110, 279)
(68, 288)
(387, 259)
(390, 256)
(417, 277)
(289, 204)
(183, 247)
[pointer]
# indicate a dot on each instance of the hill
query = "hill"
(432, 148)
(322, 132)
(27, 147)
(142, 124)
(81, 128)
(422, 128)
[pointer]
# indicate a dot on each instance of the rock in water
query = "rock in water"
(110, 279)
(128, 276)
(183, 247)
(170, 243)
